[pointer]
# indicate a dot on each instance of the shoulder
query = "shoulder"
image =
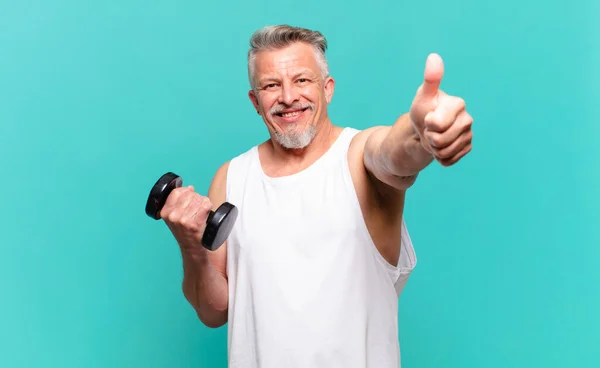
(224, 172)
(221, 173)
(361, 137)
(218, 185)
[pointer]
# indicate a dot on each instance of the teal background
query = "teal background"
(97, 99)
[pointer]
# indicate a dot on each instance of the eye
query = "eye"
(303, 80)
(270, 86)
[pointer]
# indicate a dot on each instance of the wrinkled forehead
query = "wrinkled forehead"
(291, 60)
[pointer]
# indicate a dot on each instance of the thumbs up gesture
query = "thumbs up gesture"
(441, 121)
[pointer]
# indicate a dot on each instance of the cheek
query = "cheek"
(265, 103)
(314, 96)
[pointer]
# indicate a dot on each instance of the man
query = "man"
(311, 273)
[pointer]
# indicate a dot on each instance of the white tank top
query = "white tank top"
(307, 287)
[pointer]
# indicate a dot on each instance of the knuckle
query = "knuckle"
(435, 139)
(427, 125)
(206, 203)
(460, 103)
(437, 125)
(443, 154)
(177, 192)
(173, 217)
(446, 153)
(174, 197)
(164, 213)
(468, 121)
(431, 121)
(184, 222)
(469, 136)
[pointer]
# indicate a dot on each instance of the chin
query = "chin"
(296, 140)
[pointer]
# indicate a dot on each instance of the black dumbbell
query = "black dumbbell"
(218, 224)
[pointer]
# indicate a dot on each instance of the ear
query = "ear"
(329, 87)
(254, 100)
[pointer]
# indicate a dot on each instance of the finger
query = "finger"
(434, 71)
(177, 207)
(448, 109)
(175, 194)
(171, 200)
(460, 125)
(184, 201)
(455, 146)
(195, 215)
(454, 159)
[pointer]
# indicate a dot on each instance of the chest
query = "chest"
(310, 219)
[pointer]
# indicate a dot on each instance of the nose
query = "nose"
(289, 94)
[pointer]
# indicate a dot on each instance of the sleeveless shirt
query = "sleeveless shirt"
(307, 286)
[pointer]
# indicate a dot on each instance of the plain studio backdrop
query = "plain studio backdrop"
(98, 99)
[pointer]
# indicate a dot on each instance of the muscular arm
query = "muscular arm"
(205, 277)
(384, 162)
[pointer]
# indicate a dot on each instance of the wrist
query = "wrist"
(411, 155)
(194, 259)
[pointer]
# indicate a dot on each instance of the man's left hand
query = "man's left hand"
(441, 121)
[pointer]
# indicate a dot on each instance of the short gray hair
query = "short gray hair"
(279, 36)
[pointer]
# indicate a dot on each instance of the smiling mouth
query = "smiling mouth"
(291, 114)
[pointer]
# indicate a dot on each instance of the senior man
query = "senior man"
(312, 271)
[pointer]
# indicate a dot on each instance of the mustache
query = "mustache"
(296, 106)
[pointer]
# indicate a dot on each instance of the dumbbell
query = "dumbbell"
(218, 224)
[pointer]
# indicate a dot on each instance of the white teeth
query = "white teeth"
(289, 114)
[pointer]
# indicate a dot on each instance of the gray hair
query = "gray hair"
(276, 37)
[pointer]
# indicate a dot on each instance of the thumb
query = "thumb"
(434, 71)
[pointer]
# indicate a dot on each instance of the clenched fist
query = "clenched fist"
(185, 213)
(441, 121)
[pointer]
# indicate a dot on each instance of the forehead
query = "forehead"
(291, 59)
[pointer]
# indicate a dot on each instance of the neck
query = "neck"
(278, 160)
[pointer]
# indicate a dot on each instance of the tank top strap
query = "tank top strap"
(339, 150)
(343, 142)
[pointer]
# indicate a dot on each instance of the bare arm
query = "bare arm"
(204, 284)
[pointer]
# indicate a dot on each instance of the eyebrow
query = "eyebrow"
(268, 79)
(304, 71)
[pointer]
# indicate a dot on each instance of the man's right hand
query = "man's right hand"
(185, 213)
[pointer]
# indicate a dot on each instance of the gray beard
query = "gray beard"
(293, 140)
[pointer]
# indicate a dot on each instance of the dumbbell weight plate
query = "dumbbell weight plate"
(160, 192)
(219, 225)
